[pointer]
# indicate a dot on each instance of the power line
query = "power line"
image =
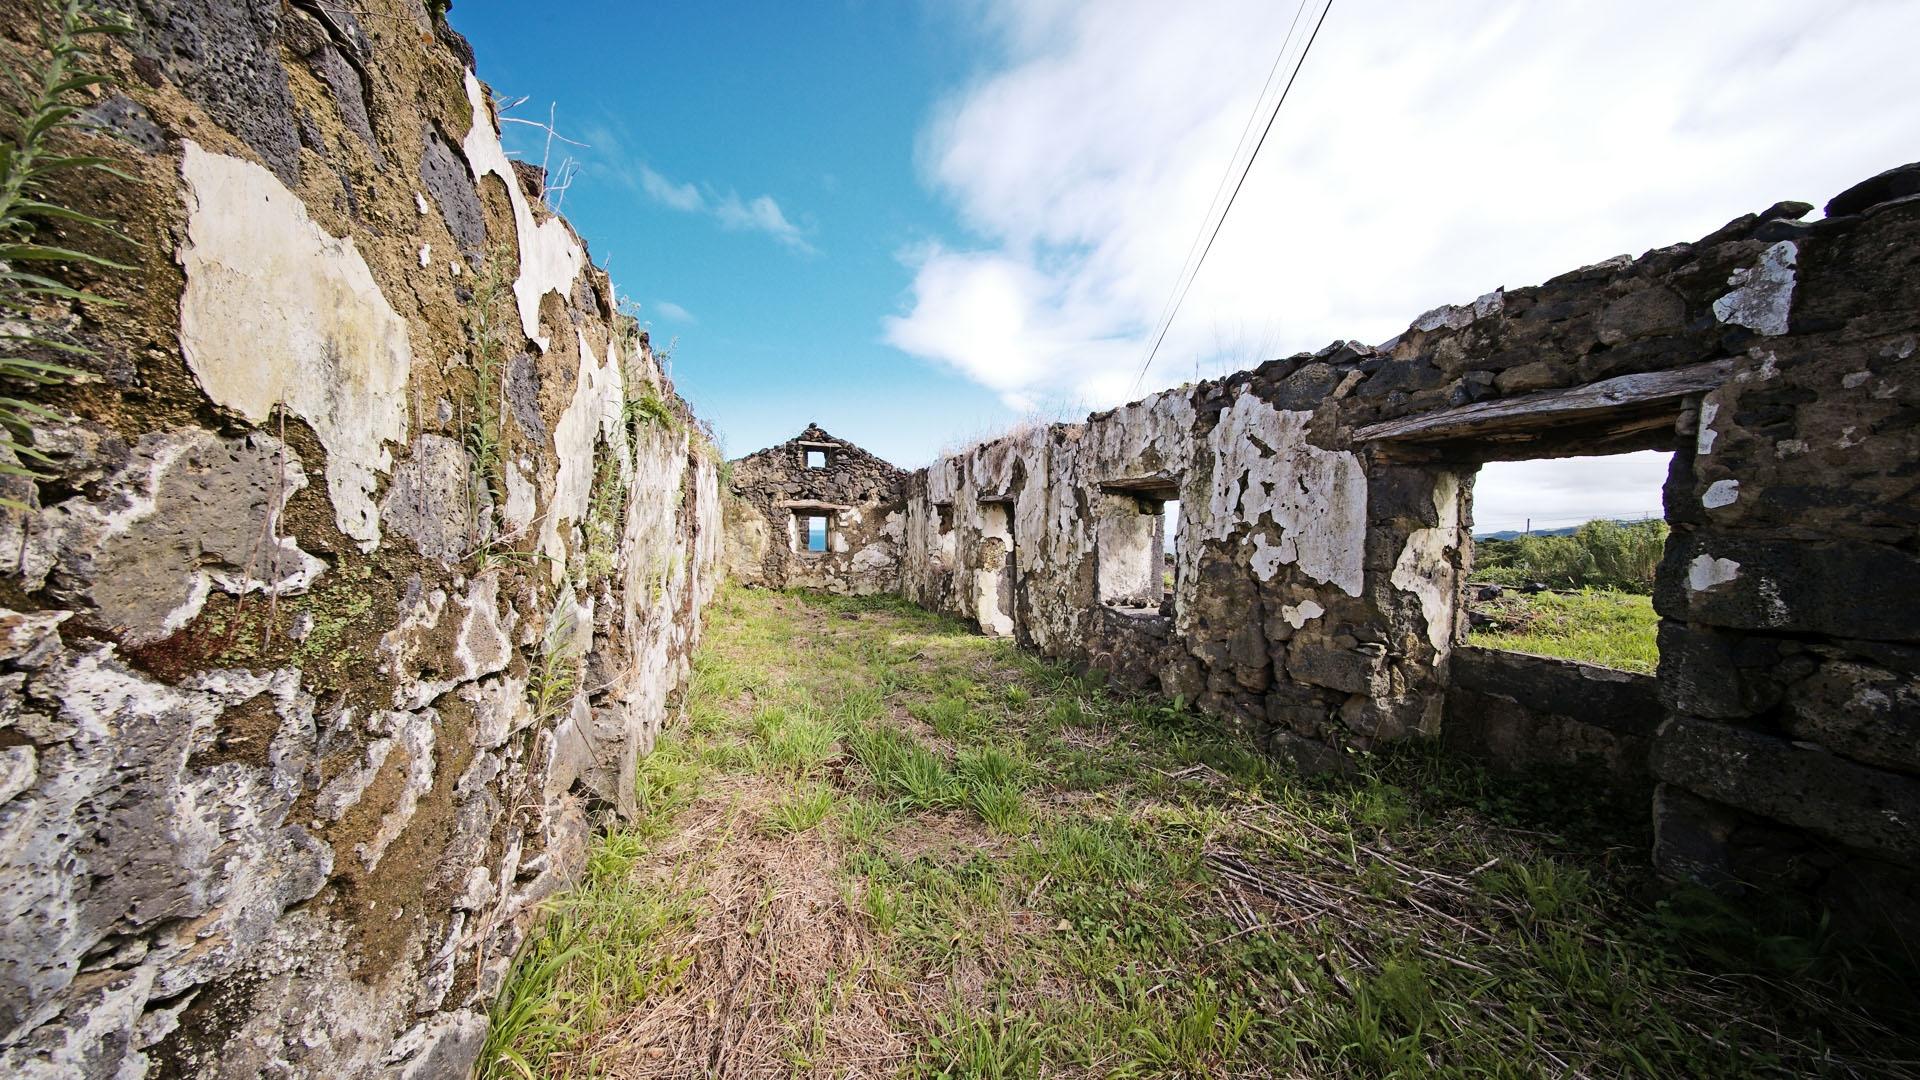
(1275, 115)
(1226, 171)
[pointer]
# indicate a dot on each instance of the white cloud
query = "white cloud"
(759, 214)
(670, 310)
(1568, 491)
(1428, 153)
(682, 197)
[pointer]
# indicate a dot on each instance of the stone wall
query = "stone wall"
(776, 489)
(1518, 712)
(356, 577)
(1326, 510)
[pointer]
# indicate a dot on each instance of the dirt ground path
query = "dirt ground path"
(879, 845)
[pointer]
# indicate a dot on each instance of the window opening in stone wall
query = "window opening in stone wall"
(815, 530)
(1564, 553)
(1170, 551)
(994, 573)
(1130, 537)
(816, 459)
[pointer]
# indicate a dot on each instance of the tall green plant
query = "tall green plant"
(44, 103)
(486, 481)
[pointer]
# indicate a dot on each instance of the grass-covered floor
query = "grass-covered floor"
(879, 845)
(1599, 626)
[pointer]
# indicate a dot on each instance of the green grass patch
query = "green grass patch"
(1080, 881)
(801, 810)
(1597, 626)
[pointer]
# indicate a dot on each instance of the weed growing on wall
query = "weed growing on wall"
(556, 675)
(44, 104)
(484, 435)
(606, 514)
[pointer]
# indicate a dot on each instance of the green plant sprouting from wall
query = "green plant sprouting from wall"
(484, 436)
(606, 513)
(44, 104)
(555, 676)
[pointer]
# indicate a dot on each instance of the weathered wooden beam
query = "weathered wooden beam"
(1154, 486)
(1547, 411)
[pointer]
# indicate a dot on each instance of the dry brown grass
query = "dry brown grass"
(784, 980)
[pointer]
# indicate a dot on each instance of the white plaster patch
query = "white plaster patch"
(598, 396)
(520, 498)
(1268, 556)
(1705, 572)
(426, 256)
(420, 203)
(482, 643)
(550, 257)
(415, 737)
(1264, 466)
(1703, 442)
(19, 766)
(1298, 616)
(1720, 493)
(1424, 570)
(277, 312)
(1763, 294)
(1853, 380)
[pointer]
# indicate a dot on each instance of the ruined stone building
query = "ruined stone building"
(1324, 521)
(368, 555)
(815, 512)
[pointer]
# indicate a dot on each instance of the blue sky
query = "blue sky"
(815, 106)
(916, 221)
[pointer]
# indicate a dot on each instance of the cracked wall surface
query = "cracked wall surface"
(1324, 536)
(335, 621)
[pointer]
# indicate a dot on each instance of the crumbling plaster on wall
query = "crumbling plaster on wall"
(275, 798)
(189, 512)
(278, 314)
(1316, 500)
(592, 416)
(1426, 567)
(550, 257)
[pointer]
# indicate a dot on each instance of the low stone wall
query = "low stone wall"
(1325, 516)
(353, 582)
(857, 494)
(1517, 711)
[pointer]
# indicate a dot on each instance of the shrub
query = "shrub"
(1600, 554)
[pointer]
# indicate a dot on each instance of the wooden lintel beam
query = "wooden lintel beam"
(1517, 416)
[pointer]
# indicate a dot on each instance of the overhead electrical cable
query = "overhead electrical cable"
(1226, 171)
(1182, 294)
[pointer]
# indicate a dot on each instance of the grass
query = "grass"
(802, 810)
(1598, 626)
(882, 846)
(601, 947)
